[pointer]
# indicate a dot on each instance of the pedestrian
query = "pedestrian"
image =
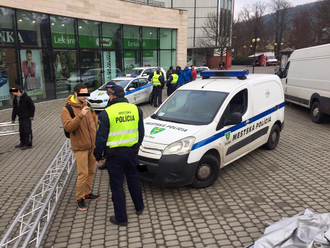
(187, 75)
(158, 85)
(82, 130)
(109, 85)
(178, 71)
(172, 82)
(24, 108)
(194, 73)
(121, 132)
(204, 63)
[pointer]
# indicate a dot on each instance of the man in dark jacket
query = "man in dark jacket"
(172, 82)
(23, 107)
(121, 132)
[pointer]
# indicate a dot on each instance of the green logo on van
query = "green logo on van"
(227, 135)
(156, 130)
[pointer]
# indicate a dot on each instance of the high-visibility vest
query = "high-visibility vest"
(155, 79)
(124, 125)
(175, 78)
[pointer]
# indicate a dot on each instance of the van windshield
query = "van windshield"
(191, 107)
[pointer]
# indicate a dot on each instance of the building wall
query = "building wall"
(114, 11)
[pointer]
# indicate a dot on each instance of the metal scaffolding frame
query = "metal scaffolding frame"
(30, 225)
(8, 128)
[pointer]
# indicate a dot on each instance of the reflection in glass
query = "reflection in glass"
(88, 34)
(62, 31)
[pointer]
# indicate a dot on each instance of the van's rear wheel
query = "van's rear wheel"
(273, 138)
(316, 113)
(207, 172)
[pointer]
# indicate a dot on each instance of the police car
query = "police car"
(144, 72)
(207, 125)
(137, 90)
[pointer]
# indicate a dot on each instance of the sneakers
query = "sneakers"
(81, 204)
(114, 221)
(19, 146)
(140, 212)
(92, 197)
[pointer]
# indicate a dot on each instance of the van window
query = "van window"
(286, 70)
(238, 103)
(191, 107)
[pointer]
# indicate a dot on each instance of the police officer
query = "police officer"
(172, 82)
(108, 86)
(158, 85)
(121, 132)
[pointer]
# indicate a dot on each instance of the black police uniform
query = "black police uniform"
(158, 90)
(121, 161)
(24, 109)
(170, 87)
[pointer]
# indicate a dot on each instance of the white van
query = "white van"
(306, 80)
(209, 123)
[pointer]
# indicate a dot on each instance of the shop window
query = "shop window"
(110, 67)
(88, 34)
(149, 58)
(149, 38)
(7, 37)
(165, 38)
(30, 31)
(111, 36)
(131, 37)
(65, 68)
(174, 59)
(62, 32)
(33, 73)
(131, 60)
(91, 71)
(8, 74)
(165, 59)
(174, 32)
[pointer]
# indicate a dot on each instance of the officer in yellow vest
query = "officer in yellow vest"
(120, 132)
(172, 82)
(158, 85)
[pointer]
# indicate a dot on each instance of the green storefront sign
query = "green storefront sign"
(86, 41)
(68, 40)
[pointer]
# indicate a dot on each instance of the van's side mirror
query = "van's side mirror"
(279, 72)
(234, 119)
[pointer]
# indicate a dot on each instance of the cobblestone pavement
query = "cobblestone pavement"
(262, 186)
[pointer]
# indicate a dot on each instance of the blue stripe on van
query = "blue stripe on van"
(138, 89)
(236, 127)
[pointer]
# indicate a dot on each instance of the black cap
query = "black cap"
(110, 84)
(117, 90)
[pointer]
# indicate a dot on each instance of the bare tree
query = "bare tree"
(280, 20)
(217, 31)
(321, 24)
(254, 26)
(301, 35)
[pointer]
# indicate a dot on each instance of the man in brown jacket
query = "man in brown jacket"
(82, 130)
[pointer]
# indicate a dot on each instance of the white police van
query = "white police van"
(209, 123)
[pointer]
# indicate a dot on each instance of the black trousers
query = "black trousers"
(171, 89)
(157, 95)
(25, 131)
(122, 163)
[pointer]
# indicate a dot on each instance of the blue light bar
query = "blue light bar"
(120, 75)
(220, 73)
(134, 75)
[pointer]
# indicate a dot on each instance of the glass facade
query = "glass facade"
(48, 55)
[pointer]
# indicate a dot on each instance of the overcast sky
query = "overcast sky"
(239, 4)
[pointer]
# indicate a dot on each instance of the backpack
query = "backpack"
(69, 108)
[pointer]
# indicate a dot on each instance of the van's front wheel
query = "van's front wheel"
(207, 172)
(316, 113)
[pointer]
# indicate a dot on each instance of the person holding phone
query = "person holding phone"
(82, 130)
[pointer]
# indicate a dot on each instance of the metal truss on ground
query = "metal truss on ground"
(31, 223)
(8, 128)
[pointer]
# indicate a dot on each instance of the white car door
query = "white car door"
(132, 92)
(145, 89)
